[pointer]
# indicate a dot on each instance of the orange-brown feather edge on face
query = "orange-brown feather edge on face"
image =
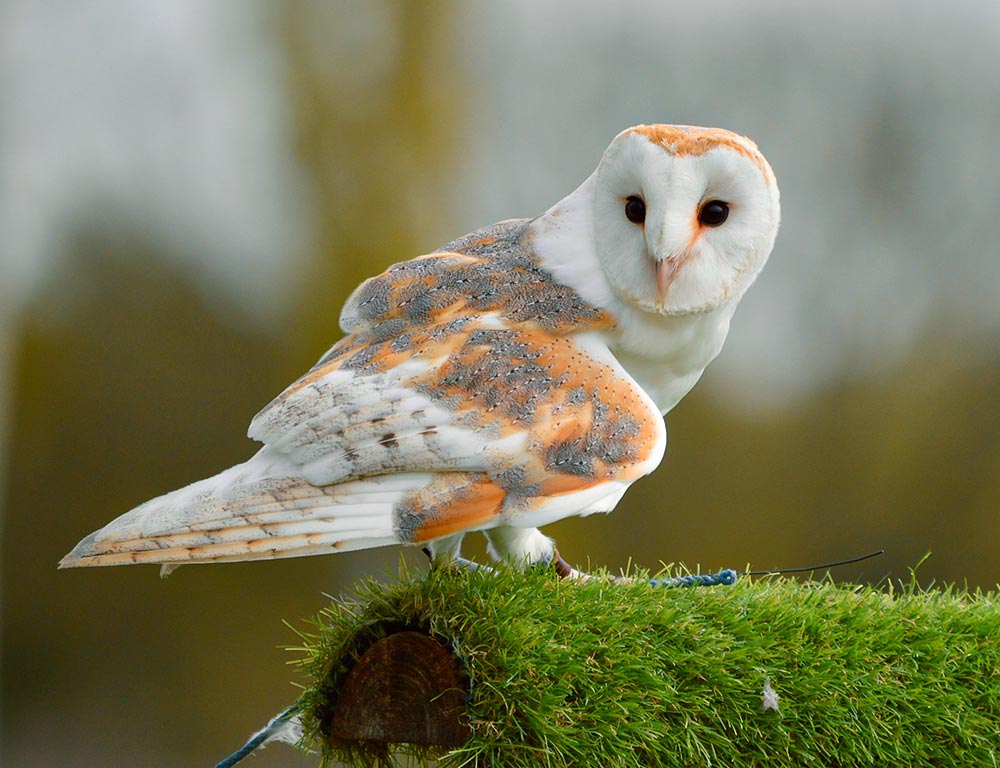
(682, 140)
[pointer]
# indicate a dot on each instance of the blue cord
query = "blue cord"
(726, 577)
(258, 739)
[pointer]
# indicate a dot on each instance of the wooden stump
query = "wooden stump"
(405, 689)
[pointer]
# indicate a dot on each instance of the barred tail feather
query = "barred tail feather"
(260, 509)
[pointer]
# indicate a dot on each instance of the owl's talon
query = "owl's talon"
(566, 571)
(563, 569)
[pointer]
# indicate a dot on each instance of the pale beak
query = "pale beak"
(668, 269)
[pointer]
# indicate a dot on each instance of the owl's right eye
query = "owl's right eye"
(635, 209)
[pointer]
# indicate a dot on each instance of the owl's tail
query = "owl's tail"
(256, 510)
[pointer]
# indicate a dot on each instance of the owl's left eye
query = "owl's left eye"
(635, 209)
(713, 213)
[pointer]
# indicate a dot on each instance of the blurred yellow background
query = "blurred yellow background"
(189, 191)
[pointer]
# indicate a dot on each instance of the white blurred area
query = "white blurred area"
(171, 114)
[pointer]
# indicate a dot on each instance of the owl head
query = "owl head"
(684, 217)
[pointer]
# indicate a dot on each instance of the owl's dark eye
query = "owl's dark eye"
(713, 213)
(635, 210)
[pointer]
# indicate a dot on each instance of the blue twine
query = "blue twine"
(725, 577)
(273, 726)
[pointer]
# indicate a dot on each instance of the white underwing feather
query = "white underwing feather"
(261, 507)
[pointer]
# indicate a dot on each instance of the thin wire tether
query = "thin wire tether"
(729, 576)
(808, 568)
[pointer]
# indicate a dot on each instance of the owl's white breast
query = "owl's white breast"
(667, 358)
(666, 355)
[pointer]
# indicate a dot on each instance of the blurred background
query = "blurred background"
(190, 190)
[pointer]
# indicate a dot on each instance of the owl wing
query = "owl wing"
(470, 390)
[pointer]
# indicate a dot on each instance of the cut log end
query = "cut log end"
(405, 689)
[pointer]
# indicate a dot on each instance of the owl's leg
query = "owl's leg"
(447, 551)
(445, 548)
(522, 547)
(528, 548)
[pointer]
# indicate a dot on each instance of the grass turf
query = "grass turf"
(563, 674)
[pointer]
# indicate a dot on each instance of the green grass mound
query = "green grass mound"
(562, 674)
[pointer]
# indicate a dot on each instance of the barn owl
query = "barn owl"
(516, 376)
